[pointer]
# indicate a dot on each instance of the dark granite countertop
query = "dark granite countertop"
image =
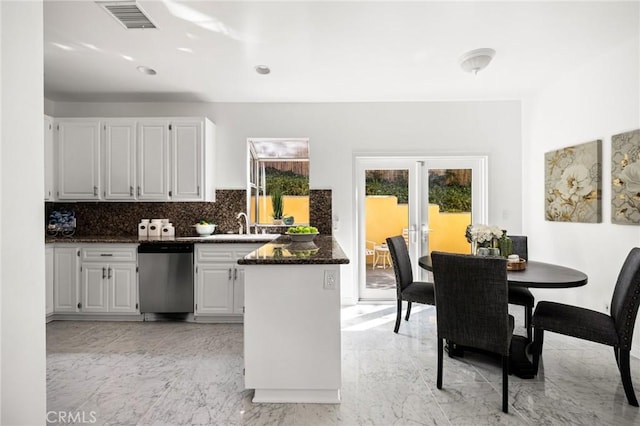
(128, 239)
(323, 250)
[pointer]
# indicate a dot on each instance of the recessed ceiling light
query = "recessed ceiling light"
(262, 69)
(63, 46)
(147, 70)
(90, 46)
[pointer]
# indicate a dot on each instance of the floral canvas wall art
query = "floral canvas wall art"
(573, 183)
(625, 178)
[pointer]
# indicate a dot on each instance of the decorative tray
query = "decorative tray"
(517, 266)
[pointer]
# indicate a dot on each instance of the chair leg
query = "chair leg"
(440, 350)
(536, 347)
(398, 317)
(505, 383)
(406, 318)
(625, 372)
(527, 321)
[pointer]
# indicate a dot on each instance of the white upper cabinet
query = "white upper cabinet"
(49, 160)
(153, 160)
(146, 159)
(186, 151)
(119, 153)
(78, 146)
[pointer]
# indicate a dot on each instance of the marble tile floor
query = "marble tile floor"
(171, 373)
(380, 278)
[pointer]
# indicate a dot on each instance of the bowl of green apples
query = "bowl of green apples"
(302, 234)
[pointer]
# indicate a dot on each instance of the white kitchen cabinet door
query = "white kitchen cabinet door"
(214, 289)
(48, 280)
(95, 292)
(78, 160)
(123, 288)
(186, 160)
(153, 160)
(119, 153)
(66, 278)
(49, 160)
(238, 291)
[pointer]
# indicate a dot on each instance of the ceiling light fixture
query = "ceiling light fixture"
(262, 69)
(147, 70)
(476, 60)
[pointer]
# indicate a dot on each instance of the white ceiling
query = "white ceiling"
(323, 51)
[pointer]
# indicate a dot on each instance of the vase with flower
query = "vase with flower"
(484, 236)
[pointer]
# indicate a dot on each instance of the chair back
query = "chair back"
(626, 297)
(520, 246)
(472, 300)
(401, 262)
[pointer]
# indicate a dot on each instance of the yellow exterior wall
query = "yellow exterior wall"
(296, 206)
(386, 218)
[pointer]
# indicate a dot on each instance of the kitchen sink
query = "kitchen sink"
(234, 237)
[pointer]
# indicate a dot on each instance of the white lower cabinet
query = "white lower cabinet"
(49, 271)
(66, 278)
(93, 279)
(220, 280)
(110, 285)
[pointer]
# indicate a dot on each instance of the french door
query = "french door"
(393, 198)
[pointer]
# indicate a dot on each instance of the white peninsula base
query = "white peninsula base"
(292, 336)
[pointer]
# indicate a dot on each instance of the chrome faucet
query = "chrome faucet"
(246, 221)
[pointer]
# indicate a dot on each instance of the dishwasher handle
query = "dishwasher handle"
(165, 248)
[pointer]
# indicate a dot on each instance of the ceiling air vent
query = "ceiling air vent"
(128, 13)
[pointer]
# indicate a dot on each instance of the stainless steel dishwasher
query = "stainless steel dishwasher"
(165, 277)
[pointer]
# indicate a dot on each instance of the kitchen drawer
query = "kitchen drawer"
(108, 253)
(223, 252)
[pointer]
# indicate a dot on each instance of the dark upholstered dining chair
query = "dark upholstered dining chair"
(522, 296)
(406, 288)
(614, 330)
(471, 307)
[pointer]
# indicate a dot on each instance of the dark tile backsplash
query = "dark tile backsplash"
(121, 219)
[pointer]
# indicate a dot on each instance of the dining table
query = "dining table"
(534, 275)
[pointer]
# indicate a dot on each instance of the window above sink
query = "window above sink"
(278, 167)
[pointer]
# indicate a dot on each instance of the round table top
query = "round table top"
(536, 275)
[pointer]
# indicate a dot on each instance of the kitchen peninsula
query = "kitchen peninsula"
(292, 321)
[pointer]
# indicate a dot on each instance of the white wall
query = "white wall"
(22, 301)
(598, 100)
(338, 130)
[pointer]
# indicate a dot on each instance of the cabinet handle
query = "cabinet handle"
(229, 273)
(198, 190)
(138, 191)
(95, 191)
(106, 254)
(79, 305)
(235, 274)
(131, 191)
(110, 270)
(104, 273)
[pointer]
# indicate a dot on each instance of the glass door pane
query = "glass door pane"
(386, 215)
(448, 209)
(454, 190)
